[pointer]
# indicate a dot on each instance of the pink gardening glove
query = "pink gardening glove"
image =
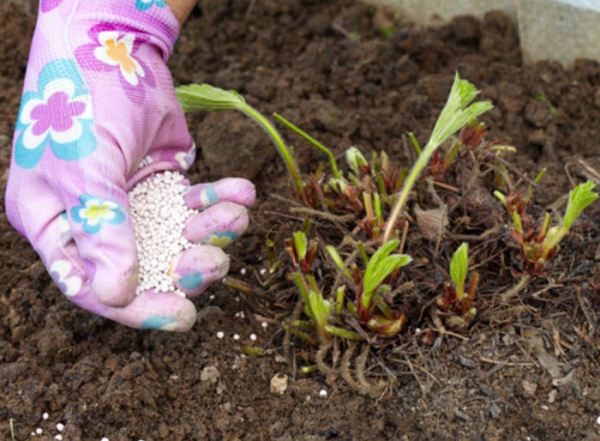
(98, 115)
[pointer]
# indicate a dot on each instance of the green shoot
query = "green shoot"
(580, 198)
(309, 369)
(301, 244)
(320, 310)
(343, 333)
(340, 295)
(516, 218)
(415, 143)
(356, 161)
(337, 259)
(297, 130)
(459, 267)
(302, 251)
(253, 351)
(379, 267)
(457, 113)
(378, 208)
(207, 98)
(536, 182)
(457, 299)
(302, 287)
(537, 248)
(500, 196)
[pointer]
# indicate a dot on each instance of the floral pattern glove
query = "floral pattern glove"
(98, 115)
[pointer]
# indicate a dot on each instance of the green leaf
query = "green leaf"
(204, 97)
(343, 333)
(337, 259)
(320, 308)
(580, 198)
(207, 98)
(301, 244)
(459, 268)
(380, 266)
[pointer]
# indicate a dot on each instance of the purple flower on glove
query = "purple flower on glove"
(114, 48)
(57, 114)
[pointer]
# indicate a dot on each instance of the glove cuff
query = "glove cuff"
(152, 19)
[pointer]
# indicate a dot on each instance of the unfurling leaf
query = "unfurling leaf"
(380, 266)
(207, 98)
(580, 198)
(459, 268)
(300, 244)
(355, 160)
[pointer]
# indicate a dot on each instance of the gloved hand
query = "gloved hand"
(98, 115)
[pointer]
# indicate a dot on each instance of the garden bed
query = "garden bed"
(526, 369)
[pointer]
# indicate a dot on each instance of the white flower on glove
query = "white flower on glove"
(69, 285)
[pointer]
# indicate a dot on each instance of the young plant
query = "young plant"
(302, 252)
(207, 98)
(319, 311)
(456, 300)
(316, 307)
(379, 267)
(538, 247)
(457, 113)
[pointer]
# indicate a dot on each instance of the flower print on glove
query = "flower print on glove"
(56, 114)
(98, 115)
(115, 49)
(144, 5)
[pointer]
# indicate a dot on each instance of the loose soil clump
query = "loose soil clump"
(526, 369)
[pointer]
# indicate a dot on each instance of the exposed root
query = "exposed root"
(514, 291)
(367, 388)
(329, 371)
(345, 368)
(287, 352)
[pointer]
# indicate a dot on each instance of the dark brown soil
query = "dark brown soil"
(527, 370)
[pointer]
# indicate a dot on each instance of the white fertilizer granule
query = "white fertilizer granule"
(159, 214)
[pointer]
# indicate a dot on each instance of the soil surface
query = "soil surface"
(526, 370)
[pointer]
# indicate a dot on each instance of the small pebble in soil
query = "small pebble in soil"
(60, 427)
(58, 437)
(323, 393)
(220, 335)
(211, 297)
(45, 416)
(263, 271)
(265, 325)
(279, 384)
(236, 337)
(105, 439)
(598, 420)
(39, 431)
(253, 337)
(159, 238)
(243, 271)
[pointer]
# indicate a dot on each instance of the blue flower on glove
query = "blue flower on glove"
(144, 5)
(94, 212)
